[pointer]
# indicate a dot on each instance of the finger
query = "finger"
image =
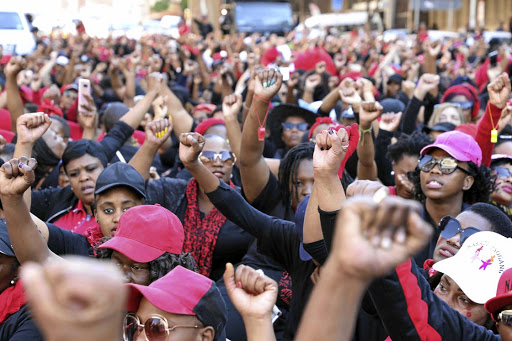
(506, 80)
(229, 278)
(14, 164)
(7, 170)
(37, 290)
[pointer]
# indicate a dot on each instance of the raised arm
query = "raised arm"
(366, 166)
(231, 106)
(182, 120)
(14, 102)
(136, 114)
(253, 168)
(428, 82)
(382, 235)
(157, 132)
(330, 150)
(16, 176)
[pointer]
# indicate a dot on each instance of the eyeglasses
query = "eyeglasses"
(299, 126)
(71, 94)
(156, 328)
(464, 105)
(505, 317)
(447, 165)
(502, 172)
(453, 104)
(208, 156)
(450, 226)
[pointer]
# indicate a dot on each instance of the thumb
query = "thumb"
(229, 278)
(37, 290)
(354, 134)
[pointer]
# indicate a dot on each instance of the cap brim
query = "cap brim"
(104, 188)
(133, 249)
(459, 156)
(162, 300)
(452, 267)
(498, 302)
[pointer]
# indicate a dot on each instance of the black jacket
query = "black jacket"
(20, 327)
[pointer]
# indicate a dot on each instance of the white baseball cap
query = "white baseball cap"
(478, 265)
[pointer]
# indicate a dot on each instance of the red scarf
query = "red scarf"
(94, 236)
(201, 234)
(11, 300)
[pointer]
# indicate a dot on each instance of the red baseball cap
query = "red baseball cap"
(503, 294)
(459, 145)
(146, 232)
(206, 124)
(184, 292)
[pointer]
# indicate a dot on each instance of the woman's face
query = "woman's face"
(504, 330)
(111, 204)
(63, 177)
(7, 272)
(292, 135)
(446, 248)
(449, 292)
(219, 168)
(438, 186)
(502, 194)
(467, 112)
(304, 183)
(406, 164)
(58, 128)
(82, 174)
(134, 272)
(147, 310)
(68, 99)
(450, 115)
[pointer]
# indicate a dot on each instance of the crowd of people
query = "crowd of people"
(249, 187)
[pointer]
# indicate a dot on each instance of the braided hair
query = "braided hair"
(288, 170)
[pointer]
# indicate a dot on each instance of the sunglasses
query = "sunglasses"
(208, 156)
(464, 105)
(453, 104)
(156, 328)
(299, 126)
(447, 165)
(450, 226)
(505, 317)
(71, 94)
(502, 172)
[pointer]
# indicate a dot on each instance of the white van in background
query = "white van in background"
(15, 35)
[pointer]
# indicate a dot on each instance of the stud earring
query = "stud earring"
(12, 282)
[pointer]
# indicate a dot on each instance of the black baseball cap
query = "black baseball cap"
(440, 126)
(120, 174)
(5, 243)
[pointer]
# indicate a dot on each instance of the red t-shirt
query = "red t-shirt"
(76, 220)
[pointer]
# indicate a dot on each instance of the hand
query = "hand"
(427, 83)
(15, 65)
(157, 132)
(408, 88)
(87, 114)
(434, 48)
(390, 121)
(53, 93)
(506, 116)
(330, 150)
(35, 84)
(293, 81)
(190, 67)
(154, 81)
(252, 293)
(267, 83)
(404, 186)
(30, 127)
(350, 96)
(100, 67)
(77, 299)
(372, 238)
(366, 187)
(231, 106)
(364, 84)
(368, 113)
(153, 174)
(155, 64)
(320, 68)
(312, 81)
(16, 176)
(191, 145)
(499, 90)
(3, 143)
(159, 107)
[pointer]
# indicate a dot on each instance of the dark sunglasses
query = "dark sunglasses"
(299, 126)
(207, 156)
(156, 328)
(464, 105)
(502, 172)
(447, 165)
(71, 94)
(450, 226)
(505, 317)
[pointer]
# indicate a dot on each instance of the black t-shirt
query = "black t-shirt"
(20, 327)
(64, 242)
(276, 238)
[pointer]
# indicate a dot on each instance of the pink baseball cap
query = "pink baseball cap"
(146, 232)
(184, 292)
(459, 145)
(503, 294)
